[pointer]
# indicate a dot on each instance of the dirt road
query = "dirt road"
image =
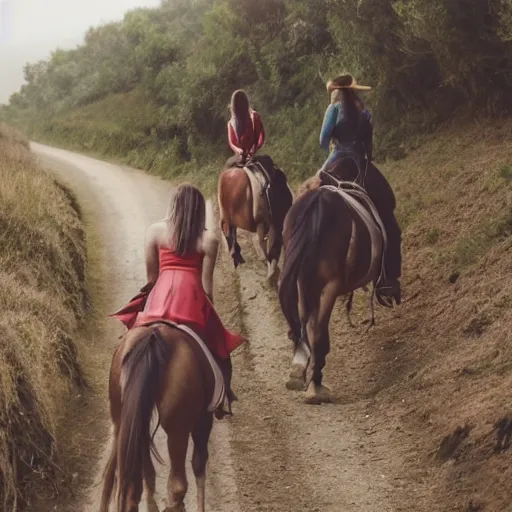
(276, 453)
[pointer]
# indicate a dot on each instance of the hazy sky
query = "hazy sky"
(31, 29)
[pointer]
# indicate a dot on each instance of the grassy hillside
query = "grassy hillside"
(443, 360)
(43, 299)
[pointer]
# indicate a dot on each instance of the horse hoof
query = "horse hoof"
(297, 372)
(272, 281)
(296, 384)
(318, 394)
(296, 381)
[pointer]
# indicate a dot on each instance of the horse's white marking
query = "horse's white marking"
(272, 267)
(301, 354)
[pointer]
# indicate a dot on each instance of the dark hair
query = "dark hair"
(240, 110)
(352, 104)
(186, 218)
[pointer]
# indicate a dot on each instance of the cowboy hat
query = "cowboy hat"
(345, 81)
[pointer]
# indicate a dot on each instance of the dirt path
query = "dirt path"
(125, 203)
(276, 453)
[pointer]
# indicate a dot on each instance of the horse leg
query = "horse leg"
(348, 308)
(301, 354)
(236, 251)
(225, 228)
(110, 473)
(372, 308)
(114, 391)
(274, 251)
(200, 436)
(318, 335)
(150, 484)
(262, 242)
(177, 444)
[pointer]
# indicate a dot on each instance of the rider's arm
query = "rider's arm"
(233, 140)
(151, 254)
(210, 249)
(330, 118)
(259, 131)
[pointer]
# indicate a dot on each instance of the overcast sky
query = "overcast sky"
(31, 29)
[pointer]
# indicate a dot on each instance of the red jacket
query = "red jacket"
(251, 140)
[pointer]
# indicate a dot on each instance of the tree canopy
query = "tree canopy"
(424, 59)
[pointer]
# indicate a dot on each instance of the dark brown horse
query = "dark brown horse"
(160, 367)
(242, 205)
(333, 241)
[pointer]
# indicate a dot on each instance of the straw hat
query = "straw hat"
(345, 81)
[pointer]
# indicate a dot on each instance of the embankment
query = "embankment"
(44, 301)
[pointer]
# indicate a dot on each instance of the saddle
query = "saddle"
(265, 171)
(353, 159)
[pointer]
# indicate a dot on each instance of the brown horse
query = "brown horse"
(162, 367)
(243, 205)
(334, 244)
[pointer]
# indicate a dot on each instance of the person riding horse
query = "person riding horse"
(348, 126)
(180, 260)
(246, 135)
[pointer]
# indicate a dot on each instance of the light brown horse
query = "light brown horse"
(333, 241)
(242, 205)
(160, 367)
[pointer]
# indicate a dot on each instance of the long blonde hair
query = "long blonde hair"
(186, 218)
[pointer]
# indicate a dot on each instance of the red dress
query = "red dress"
(178, 296)
(251, 139)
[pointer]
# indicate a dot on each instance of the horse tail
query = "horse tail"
(142, 374)
(301, 257)
(282, 202)
(109, 478)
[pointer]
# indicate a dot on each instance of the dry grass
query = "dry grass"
(43, 299)
(443, 361)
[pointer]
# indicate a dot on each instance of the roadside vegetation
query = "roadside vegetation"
(43, 301)
(153, 89)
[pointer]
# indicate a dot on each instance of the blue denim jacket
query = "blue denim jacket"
(335, 115)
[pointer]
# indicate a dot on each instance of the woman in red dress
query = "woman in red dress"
(245, 129)
(180, 259)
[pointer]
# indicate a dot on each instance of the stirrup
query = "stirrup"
(386, 293)
(384, 300)
(223, 411)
